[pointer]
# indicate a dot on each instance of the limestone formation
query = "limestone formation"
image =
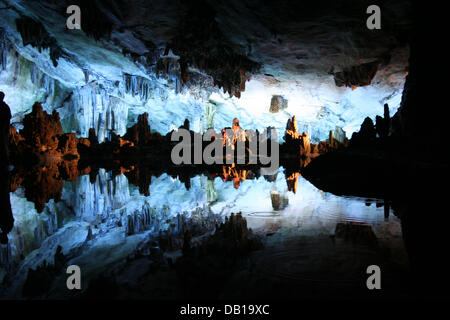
(292, 181)
(139, 133)
(277, 104)
(305, 146)
(40, 129)
(358, 75)
(68, 145)
(291, 130)
(296, 142)
(382, 124)
(366, 135)
(339, 134)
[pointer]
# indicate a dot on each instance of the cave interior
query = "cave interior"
(353, 114)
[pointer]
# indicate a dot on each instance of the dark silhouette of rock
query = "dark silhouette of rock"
(92, 136)
(366, 135)
(186, 125)
(355, 76)
(382, 124)
(187, 237)
(6, 217)
(139, 133)
(68, 170)
(5, 118)
(142, 177)
(387, 117)
(209, 50)
(39, 280)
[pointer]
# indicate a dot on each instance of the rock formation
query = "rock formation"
(68, 145)
(305, 145)
(292, 181)
(42, 138)
(359, 75)
(41, 130)
(34, 33)
(139, 133)
(296, 143)
(43, 184)
(366, 135)
(339, 134)
(277, 104)
(291, 130)
(382, 124)
(142, 177)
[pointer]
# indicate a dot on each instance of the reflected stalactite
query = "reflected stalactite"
(237, 175)
(141, 177)
(6, 215)
(43, 184)
(292, 181)
(46, 157)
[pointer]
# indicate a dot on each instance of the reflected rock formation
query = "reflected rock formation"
(87, 174)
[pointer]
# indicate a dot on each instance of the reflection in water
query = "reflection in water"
(100, 220)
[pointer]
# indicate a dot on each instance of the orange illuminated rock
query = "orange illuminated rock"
(296, 142)
(291, 130)
(292, 181)
(42, 184)
(40, 129)
(305, 146)
(68, 145)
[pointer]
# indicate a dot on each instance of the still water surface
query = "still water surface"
(317, 241)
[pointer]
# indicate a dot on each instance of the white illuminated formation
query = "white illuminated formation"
(103, 89)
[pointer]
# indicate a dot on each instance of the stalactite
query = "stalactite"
(35, 34)
(97, 108)
(138, 87)
(4, 48)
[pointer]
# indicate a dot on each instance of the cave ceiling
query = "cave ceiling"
(212, 45)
